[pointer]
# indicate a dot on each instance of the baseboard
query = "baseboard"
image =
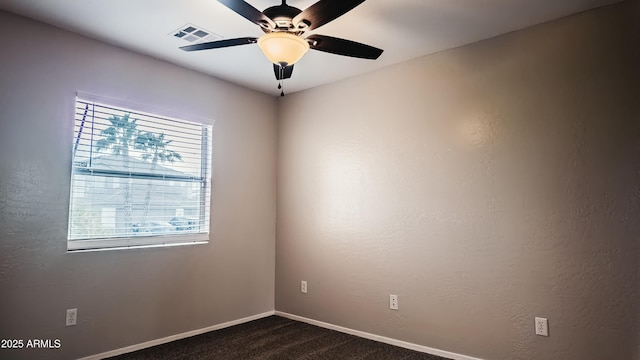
(362, 334)
(167, 339)
(382, 339)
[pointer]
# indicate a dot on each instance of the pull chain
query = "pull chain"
(281, 83)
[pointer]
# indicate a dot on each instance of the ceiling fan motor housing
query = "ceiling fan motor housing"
(282, 16)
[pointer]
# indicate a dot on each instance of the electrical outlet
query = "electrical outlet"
(393, 302)
(72, 317)
(542, 326)
(303, 286)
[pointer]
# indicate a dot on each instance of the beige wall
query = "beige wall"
(484, 185)
(133, 296)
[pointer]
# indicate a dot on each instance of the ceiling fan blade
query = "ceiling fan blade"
(343, 47)
(249, 12)
(288, 70)
(325, 11)
(220, 44)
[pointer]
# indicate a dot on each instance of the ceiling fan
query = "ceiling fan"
(284, 26)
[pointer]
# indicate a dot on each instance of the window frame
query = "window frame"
(146, 240)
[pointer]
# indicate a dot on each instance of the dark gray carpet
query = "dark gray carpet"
(276, 338)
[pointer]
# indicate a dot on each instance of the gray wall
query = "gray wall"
(484, 185)
(123, 297)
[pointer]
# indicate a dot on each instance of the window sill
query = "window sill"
(138, 242)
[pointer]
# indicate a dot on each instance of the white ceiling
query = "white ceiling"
(404, 29)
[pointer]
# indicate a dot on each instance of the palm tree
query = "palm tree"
(120, 137)
(155, 147)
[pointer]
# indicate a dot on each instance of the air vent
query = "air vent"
(194, 34)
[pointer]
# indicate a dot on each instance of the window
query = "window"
(138, 179)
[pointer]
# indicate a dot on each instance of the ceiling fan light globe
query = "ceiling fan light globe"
(282, 47)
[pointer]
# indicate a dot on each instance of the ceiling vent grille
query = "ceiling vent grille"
(194, 34)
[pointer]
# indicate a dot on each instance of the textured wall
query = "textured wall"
(635, 12)
(123, 297)
(484, 185)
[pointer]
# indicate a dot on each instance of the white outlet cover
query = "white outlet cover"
(72, 317)
(393, 302)
(542, 326)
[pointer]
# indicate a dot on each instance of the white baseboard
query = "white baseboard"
(362, 334)
(184, 335)
(382, 339)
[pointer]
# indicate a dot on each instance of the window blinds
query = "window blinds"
(137, 178)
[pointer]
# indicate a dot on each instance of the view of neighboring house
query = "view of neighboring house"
(173, 199)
